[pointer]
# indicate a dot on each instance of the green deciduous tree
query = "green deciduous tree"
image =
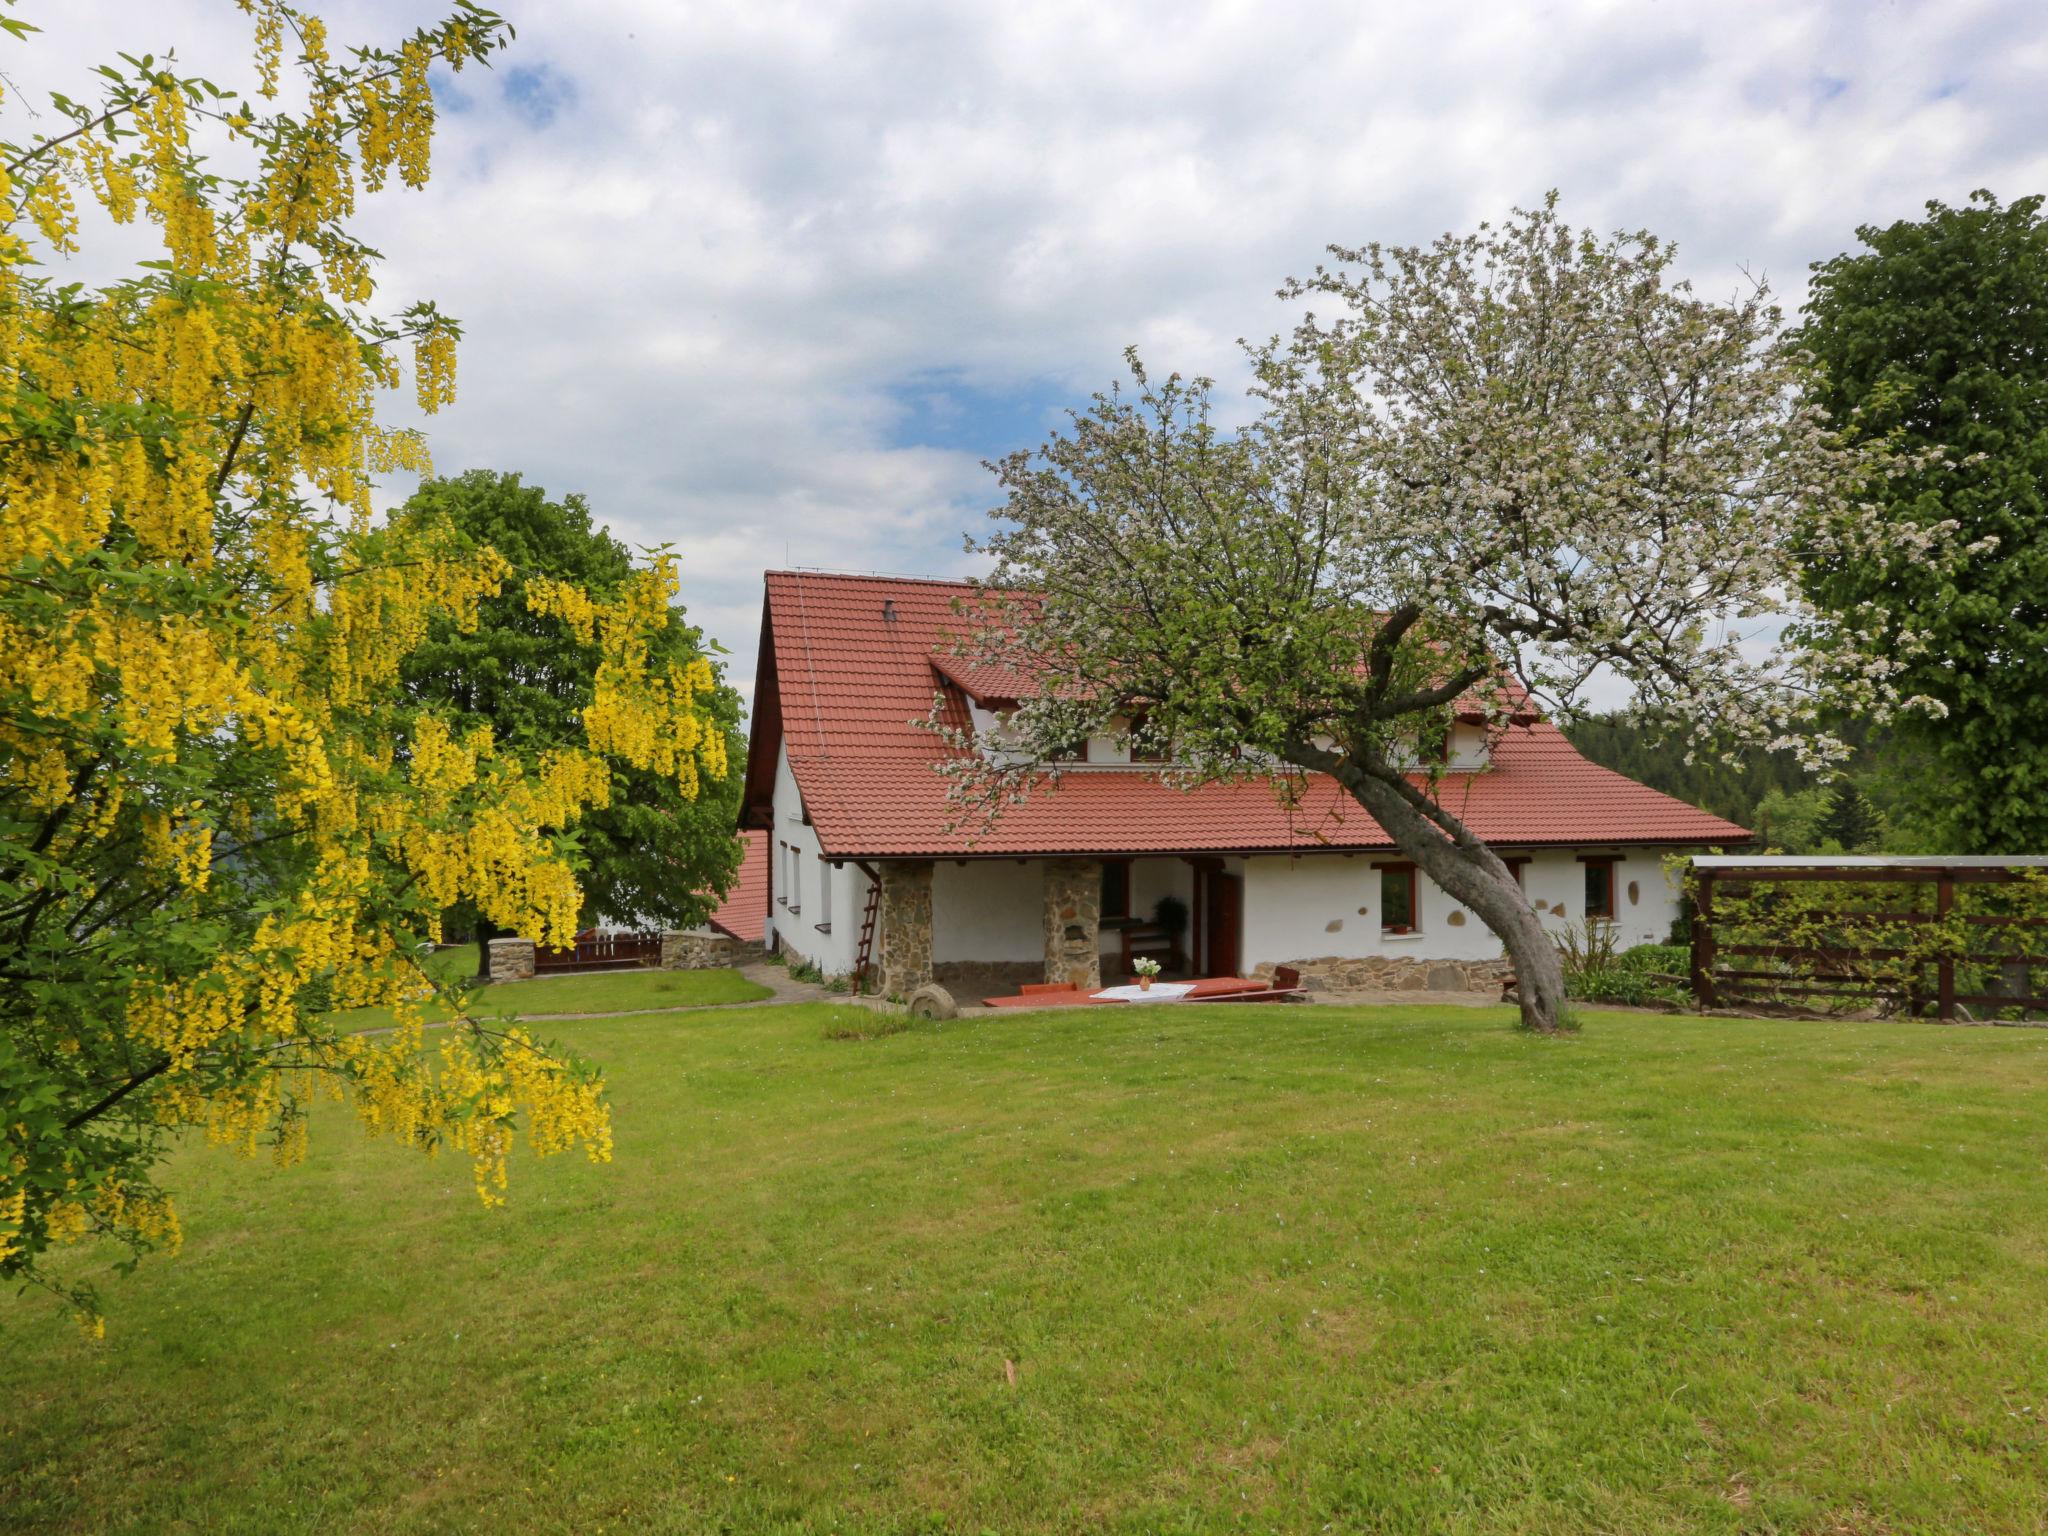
(1936, 333)
(221, 816)
(1509, 461)
(653, 853)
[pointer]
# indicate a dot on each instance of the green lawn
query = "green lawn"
(602, 992)
(1286, 1269)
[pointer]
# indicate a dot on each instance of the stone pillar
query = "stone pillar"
(1073, 921)
(511, 960)
(903, 927)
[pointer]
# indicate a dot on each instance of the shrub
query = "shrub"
(1596, 972)
(1672, 959)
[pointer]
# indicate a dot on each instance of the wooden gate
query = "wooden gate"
(601, 952)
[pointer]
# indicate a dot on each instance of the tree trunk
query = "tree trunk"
(1443, 848)
(486, 930)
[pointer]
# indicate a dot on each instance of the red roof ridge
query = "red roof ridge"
(889, 578)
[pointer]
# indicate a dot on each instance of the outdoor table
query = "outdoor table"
(1158, 992)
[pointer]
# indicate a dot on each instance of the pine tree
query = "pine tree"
(1850, 821)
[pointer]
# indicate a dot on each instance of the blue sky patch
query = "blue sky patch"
(939, 409)
(448, 95)
(538, 93)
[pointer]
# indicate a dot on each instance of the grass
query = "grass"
(599, 992)
(1252, 1269)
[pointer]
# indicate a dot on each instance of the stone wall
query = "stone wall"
(511, 960)
(1073, 921)
(976, 979)
(1395, 973)
(706, 951)
(903, 928)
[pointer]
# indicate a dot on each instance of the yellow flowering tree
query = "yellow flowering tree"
(221, 818)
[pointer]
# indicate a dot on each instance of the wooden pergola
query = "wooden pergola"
(1846, 969)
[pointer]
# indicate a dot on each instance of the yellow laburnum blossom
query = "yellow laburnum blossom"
(238, 824)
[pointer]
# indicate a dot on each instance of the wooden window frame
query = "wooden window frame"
(1414, 923)
(1519, 863)
(1105, 915)
(1604, 862)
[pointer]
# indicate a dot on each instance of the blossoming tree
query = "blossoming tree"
(220, 817)
(1510, 460)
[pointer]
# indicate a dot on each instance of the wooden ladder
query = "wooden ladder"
(865, 954)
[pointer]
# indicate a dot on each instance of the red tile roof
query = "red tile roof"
(843, 679)
(744, 912)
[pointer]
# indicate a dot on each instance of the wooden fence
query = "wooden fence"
(1920, 934)
(601, 952)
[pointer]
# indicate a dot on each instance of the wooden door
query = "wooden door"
(1222, 923)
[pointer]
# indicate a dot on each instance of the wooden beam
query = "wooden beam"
(1945, 968)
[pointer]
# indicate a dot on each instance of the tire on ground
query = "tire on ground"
(932, 1001)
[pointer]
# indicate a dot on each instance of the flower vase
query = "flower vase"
(1144, 983)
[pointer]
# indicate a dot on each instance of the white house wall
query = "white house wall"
(1308, 907)
(988, 910)
(1152, 879)
(798, 933)
(994, 909)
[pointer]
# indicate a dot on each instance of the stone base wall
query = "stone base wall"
(707, 951)
(511, 960)
(903, 928)
(986, 978)
(1073, 921)
(1395, 973)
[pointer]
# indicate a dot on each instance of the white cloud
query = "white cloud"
(699, 291)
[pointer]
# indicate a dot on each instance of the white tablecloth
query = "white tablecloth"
(1158, 992)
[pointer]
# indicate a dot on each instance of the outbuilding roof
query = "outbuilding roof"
(850, 664)
(744, 911)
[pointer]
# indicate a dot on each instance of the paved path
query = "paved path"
(786, 987)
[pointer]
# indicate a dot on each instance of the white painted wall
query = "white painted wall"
(1556, 880)
(1470, 749)
(1154, 878)
(988, 909)
(1302, 908)
(798, 932)
(993, 909)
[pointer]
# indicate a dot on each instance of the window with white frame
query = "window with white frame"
(824, 895)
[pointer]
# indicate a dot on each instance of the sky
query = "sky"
(768, 282)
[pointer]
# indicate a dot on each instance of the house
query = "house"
(864, 871)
